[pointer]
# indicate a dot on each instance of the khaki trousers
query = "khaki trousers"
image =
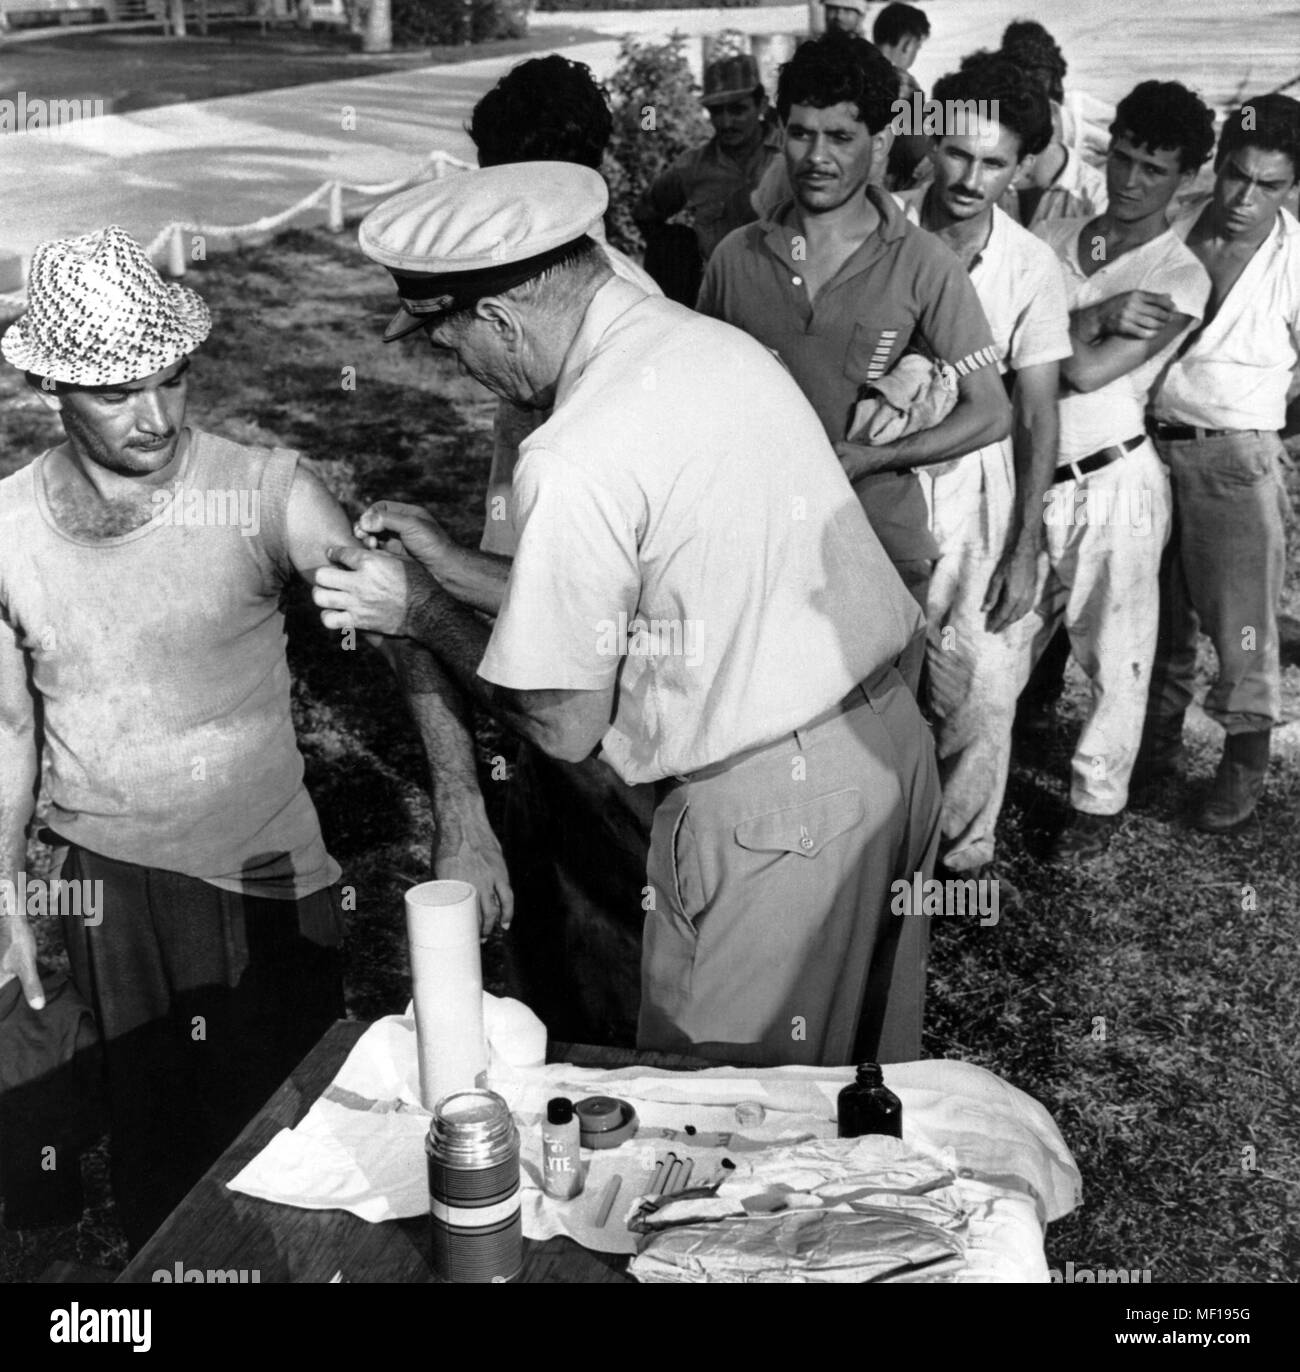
(771, 939)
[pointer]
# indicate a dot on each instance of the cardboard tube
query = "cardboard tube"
(447, 986)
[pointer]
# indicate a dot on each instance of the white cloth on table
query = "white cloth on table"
(996, 1150)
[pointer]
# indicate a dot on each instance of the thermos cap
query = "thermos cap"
(559, 1110)
(869, 1074)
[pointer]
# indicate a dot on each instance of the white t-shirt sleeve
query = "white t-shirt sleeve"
(1188, 285)
(575, 570)
(1042, 334)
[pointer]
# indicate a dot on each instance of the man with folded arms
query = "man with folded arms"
(1217, 415)
(840, 285)
(696, 594)
(986, 510)
(1134, 291)
(141, 641)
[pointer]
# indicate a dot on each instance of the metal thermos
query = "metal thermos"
(473, 1153)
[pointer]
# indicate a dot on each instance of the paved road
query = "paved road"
(239, 159)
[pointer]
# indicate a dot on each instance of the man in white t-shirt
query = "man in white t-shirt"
(1217, 415)
(1134, 291)
(986, 509)
(696, 594)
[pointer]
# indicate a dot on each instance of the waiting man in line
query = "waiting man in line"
(986, 511)
(141, 567)
(899, 31)
(713, 183)
(1108, 511)
(696, 594)
(1217, 414)
(840, 286)
(576, 835)
(1061, 184)
(844, 16)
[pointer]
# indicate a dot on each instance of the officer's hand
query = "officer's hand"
(1135, 314)
(475, 856)
(370, 591)
(412, 529)
(19, 956)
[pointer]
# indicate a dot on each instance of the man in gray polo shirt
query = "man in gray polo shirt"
(840, 286)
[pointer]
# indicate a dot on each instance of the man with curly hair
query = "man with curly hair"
(1134, 291)
(1217, 414)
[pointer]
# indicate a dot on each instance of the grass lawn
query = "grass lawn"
(139, 70)
(1154, 1010)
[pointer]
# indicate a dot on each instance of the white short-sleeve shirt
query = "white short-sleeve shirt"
(513, 424)
(686, 529)
(1236, 372)
(1018, 280)
(1115, 412)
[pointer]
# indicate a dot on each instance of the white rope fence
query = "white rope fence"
(168, 248)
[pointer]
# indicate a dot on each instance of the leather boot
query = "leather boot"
(1237, 784)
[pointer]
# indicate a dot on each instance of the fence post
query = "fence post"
(176, 252)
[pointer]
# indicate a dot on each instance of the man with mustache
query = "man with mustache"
(142, 661)
(986, 510)
(1134, 291)
(840, 286)
(1217, 414)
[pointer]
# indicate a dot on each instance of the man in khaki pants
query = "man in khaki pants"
(696, 595)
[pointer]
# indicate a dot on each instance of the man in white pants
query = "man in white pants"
(1134, 291)
(986, 508)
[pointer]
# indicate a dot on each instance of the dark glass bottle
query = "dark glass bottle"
(868, 1106)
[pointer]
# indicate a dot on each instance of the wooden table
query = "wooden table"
(219, 1229)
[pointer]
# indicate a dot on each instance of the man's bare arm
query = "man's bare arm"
(464, 847)
(19, 768)
(1098, 363)
(1034, 431)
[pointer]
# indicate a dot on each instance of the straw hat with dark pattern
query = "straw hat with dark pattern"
(98, 313)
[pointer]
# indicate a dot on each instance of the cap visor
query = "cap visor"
(404, 322)
(726, 97)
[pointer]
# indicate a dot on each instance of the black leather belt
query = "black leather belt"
(1189, 433)
(1076, 471)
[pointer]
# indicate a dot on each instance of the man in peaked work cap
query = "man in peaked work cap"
(711, 183)
(697, 598)
(142, 562)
